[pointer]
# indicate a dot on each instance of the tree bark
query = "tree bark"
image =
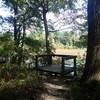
(92, 66)
(46, 30)
(15, 23)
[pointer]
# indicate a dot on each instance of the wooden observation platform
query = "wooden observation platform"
(55, 63)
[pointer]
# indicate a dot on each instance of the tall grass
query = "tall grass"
(19, 83)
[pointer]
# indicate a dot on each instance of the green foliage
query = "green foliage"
(36, 46)
(81, 64)
(16, 82)
(8, 47)
(24, 17)
(69, 40)
(36, 42)
(64, 39)
(1, 51)
(82, 42)
(55, 7)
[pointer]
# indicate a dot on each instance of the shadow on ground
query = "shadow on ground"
(69, 88)
(57, 88)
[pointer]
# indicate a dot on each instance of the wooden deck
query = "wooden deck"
(55, 69)
(46, 65)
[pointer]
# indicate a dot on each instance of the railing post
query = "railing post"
(36, 63)
(49, 59)
(75, 72)
(62, 67)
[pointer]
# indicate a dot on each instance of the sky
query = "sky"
(4, 11)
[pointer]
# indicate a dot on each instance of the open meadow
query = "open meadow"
(76, 52)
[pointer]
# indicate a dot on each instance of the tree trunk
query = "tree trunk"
(17, 27)
(92, 66)
(24, 34)
(46, 31)
(15, 23)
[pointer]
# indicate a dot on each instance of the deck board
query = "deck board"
(55, 69)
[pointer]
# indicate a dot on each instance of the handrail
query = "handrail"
(59, 55)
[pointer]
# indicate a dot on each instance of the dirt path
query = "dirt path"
(56, 90)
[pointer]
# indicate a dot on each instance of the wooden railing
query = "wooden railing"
(63, 58)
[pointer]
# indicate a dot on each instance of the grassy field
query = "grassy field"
(77, 52)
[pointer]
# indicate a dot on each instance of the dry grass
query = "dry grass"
(77, 52)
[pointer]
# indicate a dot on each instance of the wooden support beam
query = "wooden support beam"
(36, 63)
(62, 67)
(49, 60)
(75, 72)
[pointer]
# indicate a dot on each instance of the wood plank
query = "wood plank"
(59, 55)
(55, 69)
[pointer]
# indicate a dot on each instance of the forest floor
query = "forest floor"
(69, 88)
(57, 89)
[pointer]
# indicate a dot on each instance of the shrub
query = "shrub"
(81, 64)
(18, 83)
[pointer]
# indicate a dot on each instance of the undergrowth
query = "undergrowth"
(19, 83)
(89, 91)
